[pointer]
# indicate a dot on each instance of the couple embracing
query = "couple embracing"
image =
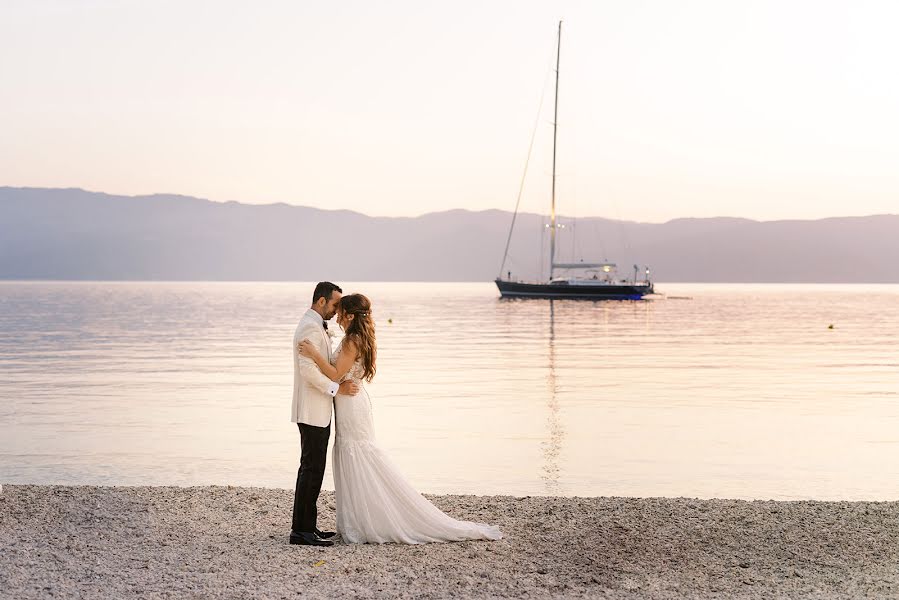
(375, 503)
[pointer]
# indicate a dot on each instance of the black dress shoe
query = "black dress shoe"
(325, 534)
(304, 538)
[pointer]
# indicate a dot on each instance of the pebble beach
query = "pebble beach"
(231, 542)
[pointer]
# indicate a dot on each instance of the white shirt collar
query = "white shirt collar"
(315, 316)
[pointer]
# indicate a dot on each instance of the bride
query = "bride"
(375, 503)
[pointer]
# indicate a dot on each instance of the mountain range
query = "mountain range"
(73, 234)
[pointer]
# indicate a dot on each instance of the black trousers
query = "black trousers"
(313, 452)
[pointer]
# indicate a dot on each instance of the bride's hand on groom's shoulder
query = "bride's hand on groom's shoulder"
(307, 349)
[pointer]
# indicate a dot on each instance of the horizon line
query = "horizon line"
(428, 281)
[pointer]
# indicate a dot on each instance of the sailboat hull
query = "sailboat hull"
(579, 291)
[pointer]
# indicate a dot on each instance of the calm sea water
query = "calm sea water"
(713, 391)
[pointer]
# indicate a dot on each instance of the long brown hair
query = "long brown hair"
(361, 331)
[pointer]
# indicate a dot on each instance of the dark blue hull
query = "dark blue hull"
(600, 291)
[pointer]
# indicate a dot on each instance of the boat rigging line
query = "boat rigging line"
(527, 161)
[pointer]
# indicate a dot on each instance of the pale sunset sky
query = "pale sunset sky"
(689, 108)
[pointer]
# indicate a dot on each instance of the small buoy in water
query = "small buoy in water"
(830, 326)
(391, 321)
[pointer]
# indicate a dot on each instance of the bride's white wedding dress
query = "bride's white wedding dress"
(375, 503)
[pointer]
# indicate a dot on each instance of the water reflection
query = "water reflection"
(742, 391)
(552, 446)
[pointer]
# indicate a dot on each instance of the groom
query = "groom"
(313, 396)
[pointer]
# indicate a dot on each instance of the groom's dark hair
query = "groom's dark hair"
(324, 289)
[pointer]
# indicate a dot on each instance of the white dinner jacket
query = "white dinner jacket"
(313, 392)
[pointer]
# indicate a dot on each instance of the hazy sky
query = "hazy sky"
(767, 110)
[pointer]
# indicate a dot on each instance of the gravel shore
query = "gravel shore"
(230, 542)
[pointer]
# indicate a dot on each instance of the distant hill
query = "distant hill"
(74, 234)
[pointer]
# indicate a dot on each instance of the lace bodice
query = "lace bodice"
(356, 371)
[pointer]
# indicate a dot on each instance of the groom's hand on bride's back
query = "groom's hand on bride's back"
(348, 388)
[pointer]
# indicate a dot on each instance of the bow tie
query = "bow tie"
(325, 325)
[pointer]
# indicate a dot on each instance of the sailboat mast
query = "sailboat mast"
(552, 233)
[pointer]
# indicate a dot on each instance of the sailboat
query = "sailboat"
(597, 280)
